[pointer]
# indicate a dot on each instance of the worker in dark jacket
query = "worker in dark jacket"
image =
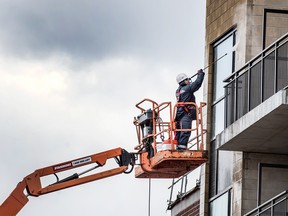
(185, 114)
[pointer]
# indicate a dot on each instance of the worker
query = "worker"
(187, 113)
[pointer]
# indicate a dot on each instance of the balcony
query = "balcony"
(256, 106)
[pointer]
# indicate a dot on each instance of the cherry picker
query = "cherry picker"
(155, 156)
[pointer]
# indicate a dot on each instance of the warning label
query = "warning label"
(62, 166)
(73, 163)
(81, 161)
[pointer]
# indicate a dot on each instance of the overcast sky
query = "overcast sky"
(71, 74)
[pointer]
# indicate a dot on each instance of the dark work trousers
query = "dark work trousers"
(183, 136)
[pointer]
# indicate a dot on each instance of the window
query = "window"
(224, 170)
(221, 205)
(221, 166)
(275, 24)
(221, 170)
(271, 174)
(224, 58)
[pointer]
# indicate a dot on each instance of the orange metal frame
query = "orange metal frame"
(32, 184)
(169, 163)
(159, 128)
(169, 127)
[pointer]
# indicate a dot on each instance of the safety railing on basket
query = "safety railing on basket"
(197, 129)
(150, 126)
(156, 126)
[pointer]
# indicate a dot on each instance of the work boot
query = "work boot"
(181, 147)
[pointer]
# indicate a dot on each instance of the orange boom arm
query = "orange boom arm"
(32, 184)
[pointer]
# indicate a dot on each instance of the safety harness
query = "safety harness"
(187, 108)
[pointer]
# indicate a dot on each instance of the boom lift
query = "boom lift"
(155, 157)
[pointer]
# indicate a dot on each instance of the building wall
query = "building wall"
(192, 210)
(247, 17)
(237, 184)
(189, 205)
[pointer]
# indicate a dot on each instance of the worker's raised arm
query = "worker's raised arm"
(194, 86)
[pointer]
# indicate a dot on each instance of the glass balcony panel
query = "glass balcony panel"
(230, 108)
(282, 65)
(280, 209)
(266, 212)
(242, 95)
(255, 85)
(269, 75)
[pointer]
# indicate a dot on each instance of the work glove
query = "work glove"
(200, 71)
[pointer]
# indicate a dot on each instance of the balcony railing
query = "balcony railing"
(273, 207)
(260, 78)
(182, 187)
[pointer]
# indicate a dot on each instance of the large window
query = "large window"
(221, 170)
(224, 57)
(221, 166)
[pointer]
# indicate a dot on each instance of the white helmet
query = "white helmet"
(181, 77)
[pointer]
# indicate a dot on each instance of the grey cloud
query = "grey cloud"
(96, 29)
(144, 43)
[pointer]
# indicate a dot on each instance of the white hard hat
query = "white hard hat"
(181, 77)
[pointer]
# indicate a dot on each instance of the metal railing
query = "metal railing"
(150, 126)
(257, 80)
(179, 188)
(181, 193)
(277, 206)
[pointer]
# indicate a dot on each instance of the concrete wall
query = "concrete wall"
(237, 184)
(204, 189)
(188, 206)
(192, 210)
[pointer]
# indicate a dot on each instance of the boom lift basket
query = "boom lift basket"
(157, 145)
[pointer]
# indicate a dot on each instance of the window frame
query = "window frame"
(215, 102)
